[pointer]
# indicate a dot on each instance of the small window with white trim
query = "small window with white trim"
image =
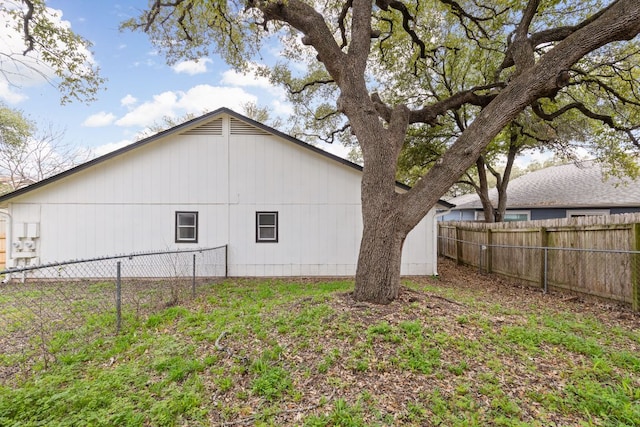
(186, 227)
(267, 227)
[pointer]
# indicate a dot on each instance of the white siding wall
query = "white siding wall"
(128, 204)
(418, 254)
(318, 205)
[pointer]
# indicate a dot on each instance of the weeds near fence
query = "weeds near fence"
(98, 296)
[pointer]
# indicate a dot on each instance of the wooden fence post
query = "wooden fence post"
(635, 269)
(489, 251)
(544, 242)
(458, 245)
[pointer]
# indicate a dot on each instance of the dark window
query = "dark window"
(186, 227)
(266, 226)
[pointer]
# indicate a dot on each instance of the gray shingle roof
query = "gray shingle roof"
(571, 185)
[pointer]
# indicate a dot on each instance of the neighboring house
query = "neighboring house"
(565, 191)
(283, 207)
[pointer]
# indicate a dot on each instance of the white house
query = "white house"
(283, 207)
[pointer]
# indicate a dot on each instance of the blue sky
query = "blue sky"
(141, 88)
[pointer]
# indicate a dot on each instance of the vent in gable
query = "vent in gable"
(214, 127)
(238, 127)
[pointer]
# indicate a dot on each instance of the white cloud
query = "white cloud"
(281, 108)
(251, 79)
(99, 120)
(196, 100)
(277, 95)
(150, 111)
(192, 67)
(207, 98)
(128, 100)
(10, 95)
(112, 146)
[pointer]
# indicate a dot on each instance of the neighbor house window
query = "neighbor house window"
(186, 227)
(509, 216)
(266, 226)
(587, 212)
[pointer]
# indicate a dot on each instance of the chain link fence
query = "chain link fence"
(41, 302)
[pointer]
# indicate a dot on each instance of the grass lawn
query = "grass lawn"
(464, 349)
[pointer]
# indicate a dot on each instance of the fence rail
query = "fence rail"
(591, 256)
(38, 302)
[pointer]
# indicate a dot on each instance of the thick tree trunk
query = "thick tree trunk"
(514, 149)
(379, 262)
(483, 191)
(384, 225)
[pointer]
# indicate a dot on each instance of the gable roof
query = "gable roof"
(193, 126)
(581, 184)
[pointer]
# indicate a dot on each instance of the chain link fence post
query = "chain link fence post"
(193, 278)
(118, 296)
(635, 269)
(546, 270)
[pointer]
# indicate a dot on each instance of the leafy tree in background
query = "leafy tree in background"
(14, 127)
(545, 47)
(495, 166)
(45, 47)
(29, 154)
(263, 115)
(586, 113)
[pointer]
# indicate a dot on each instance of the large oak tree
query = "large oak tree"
(352, 41)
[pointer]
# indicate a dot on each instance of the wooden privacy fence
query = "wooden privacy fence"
(597, 255)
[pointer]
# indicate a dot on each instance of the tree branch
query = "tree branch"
(608, 120)
(343, 15)
(26, 22)
(548, 36)
(307, 85)
(406, 22)
(429, 114)
(461, 13)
